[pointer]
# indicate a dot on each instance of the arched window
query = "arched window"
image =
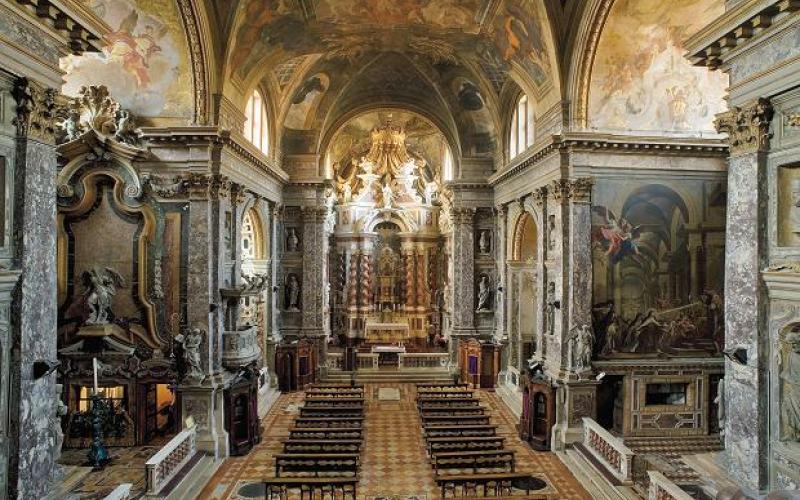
(521, 137)
(256, 126)
(447, 165)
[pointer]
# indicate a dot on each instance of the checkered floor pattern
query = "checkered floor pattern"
(394, 463)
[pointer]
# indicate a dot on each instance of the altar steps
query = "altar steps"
(378, 376)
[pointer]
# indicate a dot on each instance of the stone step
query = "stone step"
(390, 376)
(592, 480)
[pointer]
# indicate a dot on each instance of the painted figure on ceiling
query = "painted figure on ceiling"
(134, 51)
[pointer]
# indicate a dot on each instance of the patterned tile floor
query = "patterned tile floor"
(394, 464)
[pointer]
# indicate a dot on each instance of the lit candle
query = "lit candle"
(94, 365)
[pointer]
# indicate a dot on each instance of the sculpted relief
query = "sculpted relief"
(790, 384)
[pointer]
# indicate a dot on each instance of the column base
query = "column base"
(205, 404)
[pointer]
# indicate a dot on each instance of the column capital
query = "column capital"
(313, 214)
(208, 186)
(578, 190)
(539, 196)
(36, 111)
(463, 215)
(747, 127)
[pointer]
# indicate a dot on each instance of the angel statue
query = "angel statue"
(101, 285)
(619, 234)
(191, 342)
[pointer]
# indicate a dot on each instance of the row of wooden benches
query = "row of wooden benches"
(460, 437)
(323, 449)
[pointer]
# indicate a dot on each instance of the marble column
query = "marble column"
(463, 316)
(314, 278)
(539, 197)
(33, 311)
(501, 251)
(205, 275)
(746, 385)
(579, 263)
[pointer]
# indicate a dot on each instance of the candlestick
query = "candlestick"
(94, 365)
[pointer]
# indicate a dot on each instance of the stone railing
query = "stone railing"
(424, 360)
(662, 488)
(609, 450)
(121, 492)
(335, 361)
(170, 459)
(240, 347)
(367, 361)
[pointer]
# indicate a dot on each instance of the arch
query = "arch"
(525, 239)
(520, 129)
(257, 126)
(252, 239)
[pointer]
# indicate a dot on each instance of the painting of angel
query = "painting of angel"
(618, 234)
(134, 50)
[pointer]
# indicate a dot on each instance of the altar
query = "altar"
(386, 333)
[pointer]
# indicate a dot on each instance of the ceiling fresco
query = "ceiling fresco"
(649, 85)
(491, 37)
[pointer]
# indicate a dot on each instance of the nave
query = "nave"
(394, 461)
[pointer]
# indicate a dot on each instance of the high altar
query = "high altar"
(385, 273)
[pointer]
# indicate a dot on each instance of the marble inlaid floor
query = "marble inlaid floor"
(394, 463)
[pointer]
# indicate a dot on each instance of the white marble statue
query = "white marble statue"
(191, 342)
(484, 294)
(720, 402)
(483, 242)
(347, 193)
(292, 241)
(101, 285)
(292, 294)
(790, 376)
(581, 342)
(388, 196)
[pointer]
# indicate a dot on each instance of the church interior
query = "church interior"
(400, 249)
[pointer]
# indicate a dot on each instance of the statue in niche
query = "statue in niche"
(581, 341)
(484, 294)
(292, 241)
(483, 242)
(101, 285)
(347, 193)
(789, 362)
(292, 293)
(720, 402)
(552, 305)
(190, 343)
(551, 233)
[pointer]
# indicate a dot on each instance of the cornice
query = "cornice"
(219, 137)
(712, 45)
(591, 142)
(82, 29)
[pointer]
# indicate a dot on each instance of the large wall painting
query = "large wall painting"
(451, 14)
(658, 266)
(144, 62)
(641, 80)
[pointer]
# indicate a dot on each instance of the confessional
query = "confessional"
(241, 414)
(479, 362)
(538, 412)
(296, 365)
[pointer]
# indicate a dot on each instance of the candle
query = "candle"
(94, 365)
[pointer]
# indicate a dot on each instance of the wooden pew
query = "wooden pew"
(336, 412)
(324, 433)
(448, 403)
(438, 396)
(438, 385)
(331, 402)
(429, 412)
(447, 420)
(331, 463)
(330, 422)
(337, 386)
(333, 395)
(311, 487)
(322, 446)
(335, 392)
(475, 460)
(481, 485)
(471, 443)
(461, 431)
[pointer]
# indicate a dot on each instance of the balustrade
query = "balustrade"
(662, 488)
(170, 459)
(367, 361)
(608, 449)
(335, 360)
(424, 360)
